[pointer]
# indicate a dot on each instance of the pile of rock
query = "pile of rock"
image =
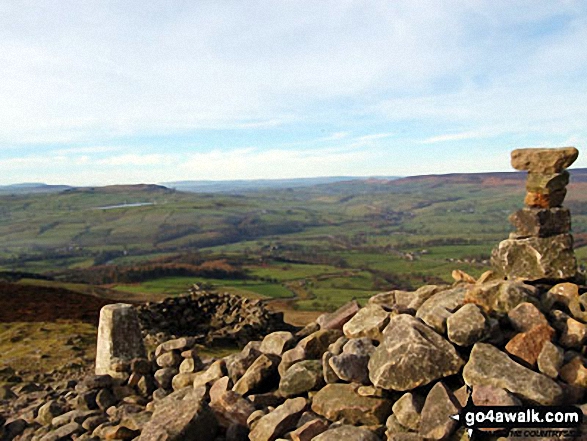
(542, 246)
(209, 317)
(395, 369)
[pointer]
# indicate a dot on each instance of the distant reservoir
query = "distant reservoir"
(125, 205)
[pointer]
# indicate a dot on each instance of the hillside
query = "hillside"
(321, 244)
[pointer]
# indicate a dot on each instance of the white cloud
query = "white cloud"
(452, 137)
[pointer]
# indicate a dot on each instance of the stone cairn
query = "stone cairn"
(542, 246)
(395, 369)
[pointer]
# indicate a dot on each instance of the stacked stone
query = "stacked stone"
(209, 317)
(541, 249)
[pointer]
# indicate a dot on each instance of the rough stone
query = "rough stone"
(277, 343)
(257, 375)
(347, 432)
(182, 380)
(351, 368)
(309, 430)
(500, 296)
(541, 222)
(488, 366)
(545, 200)
(216, 371)
(493, 396)
(176, 344)
(163, 377)
(574, 373)
(544, 160)
(237, 364)
(190, 365)
(460, 276)
(466, 326)
(574, 334)
(547, 182)
(527, 345)
(525, 316)
(408, 343)
(48, 411)
(550, 359)
(119, 336)
(407, 410)
(368, 322)
(180, 420)
(169, 360)
(359, 346)
(438, 308)
(327, 371)
(338, 401)
(301, 377)
(338, 318)
(278, 422)
(436, 421)
(317, 343)
(231, 408)
(536, 258)
(63, 432)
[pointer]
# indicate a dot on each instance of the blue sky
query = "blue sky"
(100, 92)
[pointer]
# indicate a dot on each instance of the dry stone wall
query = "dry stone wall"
(209, 317)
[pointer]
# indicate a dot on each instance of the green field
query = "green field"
(322, 245)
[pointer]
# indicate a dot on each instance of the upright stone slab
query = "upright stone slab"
(119, 337)
(541, 248)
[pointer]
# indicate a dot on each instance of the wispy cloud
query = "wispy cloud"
(452, 137)
(196, 77)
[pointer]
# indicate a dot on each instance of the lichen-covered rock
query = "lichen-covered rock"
(301, 377)
(527, 345)
(438, 308)
(544, 160)
(411, 355)
(281, 420)
(541, 222)
(536, 258)
(338, 401)
(500, 296)
(466, 326)
(488, 366)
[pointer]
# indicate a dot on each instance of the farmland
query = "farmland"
(318, 246)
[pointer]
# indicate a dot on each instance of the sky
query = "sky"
(122, 92)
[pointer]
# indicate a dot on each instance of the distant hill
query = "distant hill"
(260, 184)
(254, 185)
(32, 187)
(122, 189)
